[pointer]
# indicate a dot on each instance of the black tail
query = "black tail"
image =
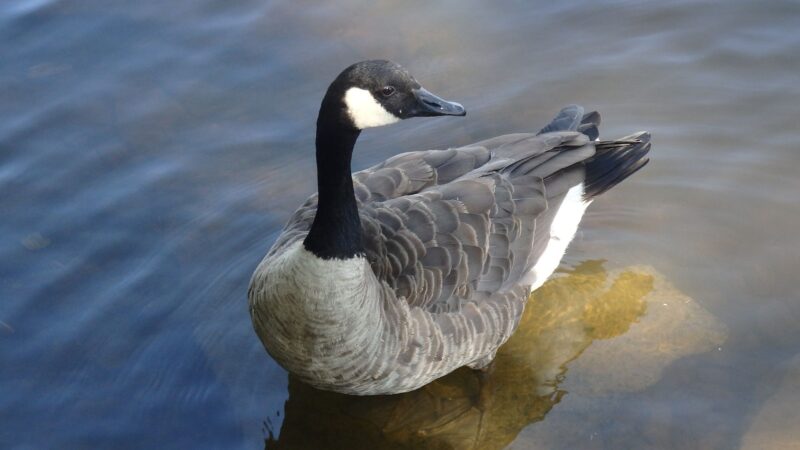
(614, 161)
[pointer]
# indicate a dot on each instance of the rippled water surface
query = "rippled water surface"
(151, 151)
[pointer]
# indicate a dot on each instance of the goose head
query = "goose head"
(375, 93)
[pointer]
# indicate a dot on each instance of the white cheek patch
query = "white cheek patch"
(365, 111)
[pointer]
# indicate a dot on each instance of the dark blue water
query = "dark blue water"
(151, 151)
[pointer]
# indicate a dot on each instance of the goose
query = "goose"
(394, 276)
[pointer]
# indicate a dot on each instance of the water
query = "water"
(150, 153)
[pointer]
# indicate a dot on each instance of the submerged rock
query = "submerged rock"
(605, 380)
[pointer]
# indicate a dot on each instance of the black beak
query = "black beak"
(431, 105)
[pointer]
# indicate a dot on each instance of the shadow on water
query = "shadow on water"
(472, 409)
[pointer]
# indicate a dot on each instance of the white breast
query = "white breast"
(314, 282)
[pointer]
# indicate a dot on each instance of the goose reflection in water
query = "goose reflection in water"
(472, 409)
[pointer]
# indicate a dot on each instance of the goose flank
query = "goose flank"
(391, 277)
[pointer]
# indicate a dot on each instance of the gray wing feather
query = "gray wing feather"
(567, 120)
(447, 227)
(476, 222)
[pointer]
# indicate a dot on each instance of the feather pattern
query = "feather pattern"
(440, 225)
(451, 238)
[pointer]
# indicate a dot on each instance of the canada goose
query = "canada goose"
(399, 274)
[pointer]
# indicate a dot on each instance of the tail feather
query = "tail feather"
(572, 118)
(567, 119)
(614, 161)
(590, 125)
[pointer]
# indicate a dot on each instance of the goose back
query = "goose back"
(447, 227)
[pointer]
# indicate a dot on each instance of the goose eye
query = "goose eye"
(387, 91)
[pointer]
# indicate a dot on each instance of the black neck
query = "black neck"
(336, 231)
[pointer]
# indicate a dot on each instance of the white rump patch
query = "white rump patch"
(365, 111)
(563, 229)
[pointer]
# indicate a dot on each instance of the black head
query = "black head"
(375, 93)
